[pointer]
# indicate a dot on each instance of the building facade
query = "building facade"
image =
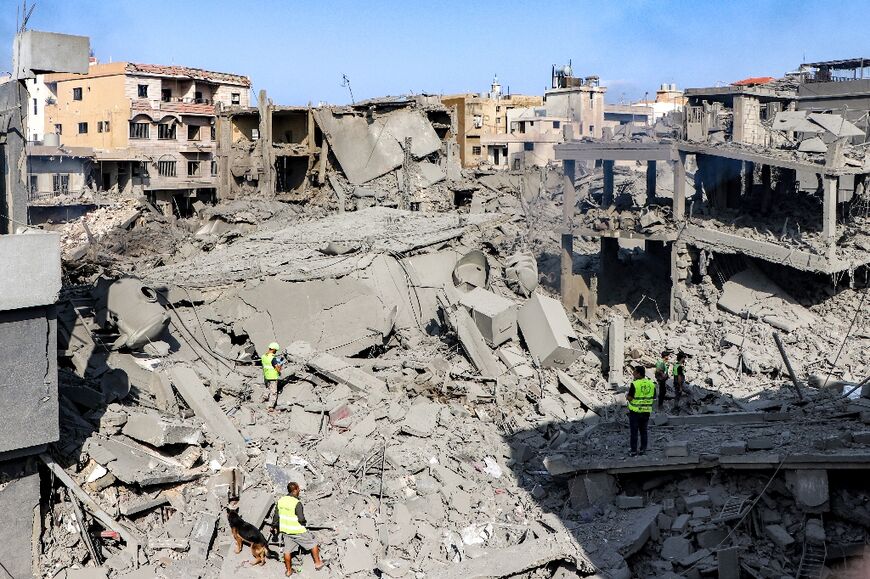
(152, 127)
(581, 100)
(530, 140)
(483, 114)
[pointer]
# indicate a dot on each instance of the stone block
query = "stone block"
(600, 488)
(712, 538)
(675, 548)
(779, 536)
(677, 448)
(156, 431)
(815, 532)
(701, 513)
(698, 500)
(760, 443)
(732, 448)
(495, 316)
(629, 502)
(681, 523)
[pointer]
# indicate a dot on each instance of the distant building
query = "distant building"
(484, 114)
(530, 141)
(54, 172)
(645, 112)
(40, 97)
(151, 126)
(579, 99)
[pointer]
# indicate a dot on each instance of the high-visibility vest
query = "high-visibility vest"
(662, 366)
(644, 393)
(677, 368)
(269, 371)
(288, 522)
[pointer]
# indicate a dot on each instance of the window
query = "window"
(193, 168)
(143, 91)
(475, 150)
(192, 132)
(139, 130)
(34, 183)
(478, 121)
(60, 184)
(35, 107)
(77, 94)
(166, 95)
(83, 128)
(58, 129)
(197, 97)
(522, 127)
(591, 129)
(213, 133)
(498, 109)
(102, 126)
(166, 168)
(236, 98)
(528, 146)
(557, 124)
(166, 131)
(213, 168)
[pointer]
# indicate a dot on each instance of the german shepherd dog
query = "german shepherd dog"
(247, 534)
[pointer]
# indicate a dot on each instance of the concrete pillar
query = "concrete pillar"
(650, 182)
(607, 201)
(679, 203)
(267, 184)
(567, 255)
(829, 214)
(765, 188)
(616, 350)
(674, 312)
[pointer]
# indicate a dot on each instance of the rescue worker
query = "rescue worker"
(661, 375)
(679, 374)
(271, 373)
(641, 395)
(290, 518)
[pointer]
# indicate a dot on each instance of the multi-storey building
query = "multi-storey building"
(530, 141)
(484, 114)
(151, 126)
(581, 100)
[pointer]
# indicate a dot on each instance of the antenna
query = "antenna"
(345, 82)
(26, 13)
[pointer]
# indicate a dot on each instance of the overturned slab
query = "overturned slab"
(548, 332)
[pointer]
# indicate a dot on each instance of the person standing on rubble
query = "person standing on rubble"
(679, 374)
(661, 375)
(289, 521)
(271, 373)
(641, 395)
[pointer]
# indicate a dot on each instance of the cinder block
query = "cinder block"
(732, 448)
(548, 332)
(693, 501)
(629, 502)
(495, 316)
(779, 536)
(681, 523)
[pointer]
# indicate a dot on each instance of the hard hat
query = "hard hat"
(274, 346)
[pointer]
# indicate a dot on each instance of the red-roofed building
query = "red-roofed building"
(151, 126)
(753, 81)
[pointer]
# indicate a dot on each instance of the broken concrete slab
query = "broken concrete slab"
(128, 509)
(753, 293)
(616, 350)
(810, 489)
(779, 535)
(495, 316)
(135, 464)
(638, 530)
(200, 400)
(510, 561)
(201, 536)
(728, 561)
(357, 557)
(675, 548)
(156, 431)
(336, 369)
(585, 397)
(629, 502)
(254, 505)
(548, 333)
(516, 361)
(677, 448)
(422, 418)
(472, 341)
(836, 124)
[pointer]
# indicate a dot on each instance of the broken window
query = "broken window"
(193, 168)
(139, 130)
(166, 131)
(236, 98)
(58, 129)
(197, 97)
(83, 128)
(143, 91)
(192, 132)
(60, 184)
(478, 121)
(475, 150)
(166, 168)
(165, 95)
(528, 146)
(591, 129)
(522, 127)
(102, 126)
(213, 133)
(77, 94)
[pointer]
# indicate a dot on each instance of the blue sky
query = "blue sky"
(298, 50)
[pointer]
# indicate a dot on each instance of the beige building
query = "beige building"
(579, 99)
(530, 140)
(151, 126)
(483, 114)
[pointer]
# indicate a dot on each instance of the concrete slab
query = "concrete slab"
(25, 286)
(516, 361)
(422, 418)
(493, 562)
(40, 52)
(779, 535)
(336, 369)
(19, 498)
(548, 333)
(495, 316)
(134, 464)
(156, 431)
(810, 489)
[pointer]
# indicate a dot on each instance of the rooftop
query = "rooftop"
(842, 64)
(187, 72)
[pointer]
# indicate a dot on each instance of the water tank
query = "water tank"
(51, 140)
(665, 87)
(673, 87)
(130, 307)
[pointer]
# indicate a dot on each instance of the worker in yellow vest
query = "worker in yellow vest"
(271, 373)
(290, 522)
(679, 373)
(641, 395)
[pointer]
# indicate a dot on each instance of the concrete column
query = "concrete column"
(829, 213)
(616, 350)
(679, 203)
(650, 182)
(765, 188)
(267, 184)
(567, 255)
(607, 201)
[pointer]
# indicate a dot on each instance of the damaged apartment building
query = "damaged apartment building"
(295, 151)
(768, 171)
(151, 127)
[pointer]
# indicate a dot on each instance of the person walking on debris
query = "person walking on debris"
(679, 374)
(661, 375)
(641, 395)
(271, 373)
(289, 521)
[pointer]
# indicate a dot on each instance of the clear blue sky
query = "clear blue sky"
(299, 50)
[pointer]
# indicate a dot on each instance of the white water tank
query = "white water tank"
(51, 140)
